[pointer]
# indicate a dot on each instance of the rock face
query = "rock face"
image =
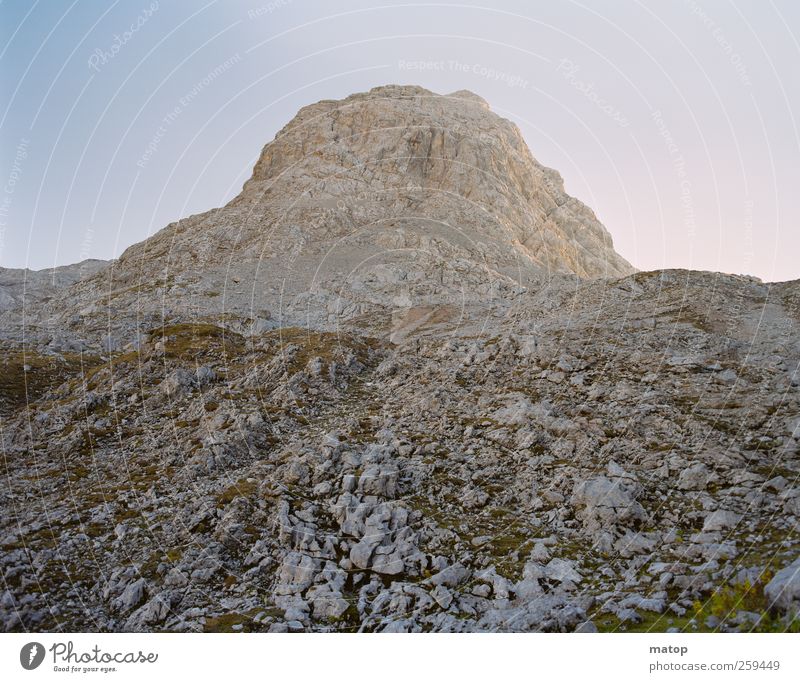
(574, 455)
(441, 176)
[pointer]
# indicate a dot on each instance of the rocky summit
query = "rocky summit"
(401, 383)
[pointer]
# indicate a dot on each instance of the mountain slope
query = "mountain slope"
(19, 287)
(385, 200)
(613, 453)
(390, 388)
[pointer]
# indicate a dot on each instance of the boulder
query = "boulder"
(601, 502)
(695, 477)
(783, 591)
(722, 519)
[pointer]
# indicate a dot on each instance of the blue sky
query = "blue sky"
(674, 121)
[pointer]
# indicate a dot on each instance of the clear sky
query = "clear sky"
(675, 121)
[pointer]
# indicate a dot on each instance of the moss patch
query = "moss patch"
(26, 375)
(190, 340)
(242, 488)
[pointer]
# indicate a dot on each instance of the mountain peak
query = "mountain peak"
(441, 157)
(384, 200)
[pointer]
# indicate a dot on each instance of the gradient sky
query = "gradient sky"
(675, 121)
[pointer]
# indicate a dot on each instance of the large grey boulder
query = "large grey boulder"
(783, 591)
(131, 596)
(601, 502)
(695, 477)
(722, 519)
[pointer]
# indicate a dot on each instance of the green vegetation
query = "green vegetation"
(301, 345)
(225, 622)
(190, 340)
(242, 488)
(713, 614)
(26, 375)
(727, 600)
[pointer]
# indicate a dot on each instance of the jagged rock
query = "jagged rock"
(327, 603)
(296, 573)
(379, 479)
(635, 601)
(562, 570)
(600, 503)
(548, 613)
(540, 553)
(155, 611)
(635, 543)
(131, 596)
(442, 596)
(696, 477)
(176, 578)
(451, 576)
(387, 543)
(783, 590)
(205, 375)
(722, 519)
(177, 383)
